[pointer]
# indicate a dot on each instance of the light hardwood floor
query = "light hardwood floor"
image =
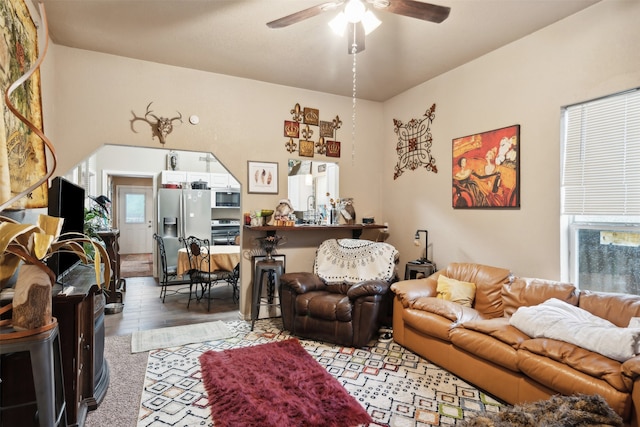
(143, 308)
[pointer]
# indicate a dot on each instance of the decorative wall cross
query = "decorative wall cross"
(414, 143)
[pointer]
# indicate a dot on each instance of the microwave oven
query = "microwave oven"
(225, 198)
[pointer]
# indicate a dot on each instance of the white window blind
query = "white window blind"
(601, 158)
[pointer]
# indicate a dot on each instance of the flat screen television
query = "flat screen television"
(66, 200)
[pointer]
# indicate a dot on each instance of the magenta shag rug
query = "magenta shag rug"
(276, 384)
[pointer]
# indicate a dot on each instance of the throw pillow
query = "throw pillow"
(456, 291)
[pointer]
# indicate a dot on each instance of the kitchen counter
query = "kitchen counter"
(356, 229)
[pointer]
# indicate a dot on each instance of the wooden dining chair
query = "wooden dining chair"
(200, 269)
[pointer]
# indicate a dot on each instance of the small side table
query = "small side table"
(413, 268)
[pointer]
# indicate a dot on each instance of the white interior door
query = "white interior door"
(135, 216)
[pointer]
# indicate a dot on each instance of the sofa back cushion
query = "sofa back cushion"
(616, 308)
(488, 280)
(525, 292)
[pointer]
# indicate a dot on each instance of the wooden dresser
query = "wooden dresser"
(79, 308)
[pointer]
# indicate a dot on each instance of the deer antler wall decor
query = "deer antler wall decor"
(161, 127)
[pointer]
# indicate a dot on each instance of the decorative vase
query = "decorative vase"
(32, 298)
(335, 216)
(268, 244)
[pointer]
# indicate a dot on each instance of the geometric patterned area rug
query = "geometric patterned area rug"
(395, 386)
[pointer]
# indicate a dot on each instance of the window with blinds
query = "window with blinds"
(600, 192)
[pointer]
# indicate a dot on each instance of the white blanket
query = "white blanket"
(355, 260)
(559, 320)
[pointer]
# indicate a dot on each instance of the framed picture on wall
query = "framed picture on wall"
(486, 169)
(262, 177)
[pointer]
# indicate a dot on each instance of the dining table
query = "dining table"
(222, 257)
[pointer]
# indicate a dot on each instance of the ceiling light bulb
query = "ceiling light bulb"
(339, 24)
(354, 10)
(370, 22)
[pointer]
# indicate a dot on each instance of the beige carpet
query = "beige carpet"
(178, 335)
(121, 404)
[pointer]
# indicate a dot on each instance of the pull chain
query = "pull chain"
(354, 49)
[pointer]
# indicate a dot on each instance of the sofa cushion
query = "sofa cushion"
(452, 311)
(585, 361)
(524, 292)
(563, 380)
(484, 346)
(616, 308)
(498, 328)
(488, 280)
(558, 320)
(427, 323)
(457, 291)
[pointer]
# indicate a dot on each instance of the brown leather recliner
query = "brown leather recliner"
(345, 298)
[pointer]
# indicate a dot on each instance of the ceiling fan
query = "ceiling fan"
(361, 21)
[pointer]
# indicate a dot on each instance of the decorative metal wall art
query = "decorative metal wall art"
(414, 143)
(486, 169)
(291, 146)
(291, 129)
(306, 148)
(300, 126)
(160, 128)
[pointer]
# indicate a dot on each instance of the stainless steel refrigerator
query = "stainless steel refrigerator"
(183, 213)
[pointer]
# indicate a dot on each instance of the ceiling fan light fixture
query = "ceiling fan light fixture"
(354, 11)
(339, 24)
(370, 22)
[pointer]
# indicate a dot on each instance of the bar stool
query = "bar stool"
(273, 269)
(46, 366)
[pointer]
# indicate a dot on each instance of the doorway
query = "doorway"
(135, 218)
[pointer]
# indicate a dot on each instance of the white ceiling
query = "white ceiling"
(231, 37)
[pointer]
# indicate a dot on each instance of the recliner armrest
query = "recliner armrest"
(302, 282)
(369, 287)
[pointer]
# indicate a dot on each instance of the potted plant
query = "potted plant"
(25, 248)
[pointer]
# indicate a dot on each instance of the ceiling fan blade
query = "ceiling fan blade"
(414, 9)
(304, 14)
(356, 35)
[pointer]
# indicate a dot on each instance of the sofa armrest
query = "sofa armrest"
(302, 282)
(408, 291)
(368, 287)
(631, 367)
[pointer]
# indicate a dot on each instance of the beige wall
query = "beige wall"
(588, 55)
(90, 97)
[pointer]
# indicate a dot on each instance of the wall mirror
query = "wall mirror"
(309, 182)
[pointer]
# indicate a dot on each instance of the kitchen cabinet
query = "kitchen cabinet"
(199, 176)
(173, 177)
(224, 180)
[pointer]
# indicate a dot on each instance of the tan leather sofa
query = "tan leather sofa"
(480, 346)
